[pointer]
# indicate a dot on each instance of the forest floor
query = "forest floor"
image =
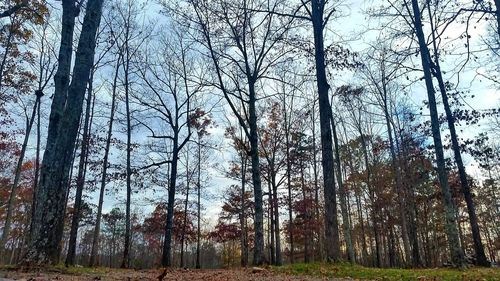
(296, 272)
(80, 274)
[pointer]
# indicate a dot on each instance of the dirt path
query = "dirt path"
(169, 275)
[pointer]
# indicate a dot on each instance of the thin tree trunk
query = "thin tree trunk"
(277, 235)
(198, 228)
(289, 183)
(343, 197)
(126, 248)
(37, 165)
(464, 183)
(244, 232)
(80, 181)
(271, 223)
(96, 235)
(316, 186)
(457, 256)
(183, 234)
(17, 177)
(411, 208)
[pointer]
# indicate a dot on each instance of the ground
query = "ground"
(248, 274)
(296, 272)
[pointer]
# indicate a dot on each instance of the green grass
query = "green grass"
(385, 274)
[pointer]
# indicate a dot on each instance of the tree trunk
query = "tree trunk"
(63, 129)
(198, 228)
(258, 254)
(343, 198)
(331, 225)
(397, 176)
(126, 247)
(481, 259)
(278, 260)
(80, 181)
(307, 217)
(96, 235)
(457, 256)
(316, 187)
(411, 208)
(289, 183)
(244, 232)
(272, 253)
(183, 234)
(37, 167)
(167, 244)
(17, 176)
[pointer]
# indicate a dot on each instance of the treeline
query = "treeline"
(374, 145)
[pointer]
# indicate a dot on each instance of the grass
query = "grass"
(344, 270)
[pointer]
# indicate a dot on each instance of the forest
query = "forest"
(217, 134)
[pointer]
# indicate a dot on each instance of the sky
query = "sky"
(353, 24)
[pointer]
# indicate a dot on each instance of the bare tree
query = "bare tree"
(66, 110)
(457, 255)
(172, 88)
(243, 45)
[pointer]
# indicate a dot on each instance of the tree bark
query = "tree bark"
(307, 216)
(457, 256)
(244, 231)
(464, 183)
(272, 225)
(258, 253)
(167, 244)
(126, 247)
(289, 182)
(343, 198)
(198, 228)
(279, 260)
(80, 181)
(332, 244)
(186, 201)
(63, 129)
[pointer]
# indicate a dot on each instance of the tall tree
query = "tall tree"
(66, 110)
(201, 121)
(254, 37)
(457, 255)
(173, 79)
(435, 66)
(82, 163)
(105, 163)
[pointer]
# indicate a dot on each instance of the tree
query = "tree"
(169, 79)
(105, 163)
(84, 153)
(63, 128)
(450, 118)
(271, 143)
(457, 256)
(201, 121)
(17, 78)
(253, 38)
